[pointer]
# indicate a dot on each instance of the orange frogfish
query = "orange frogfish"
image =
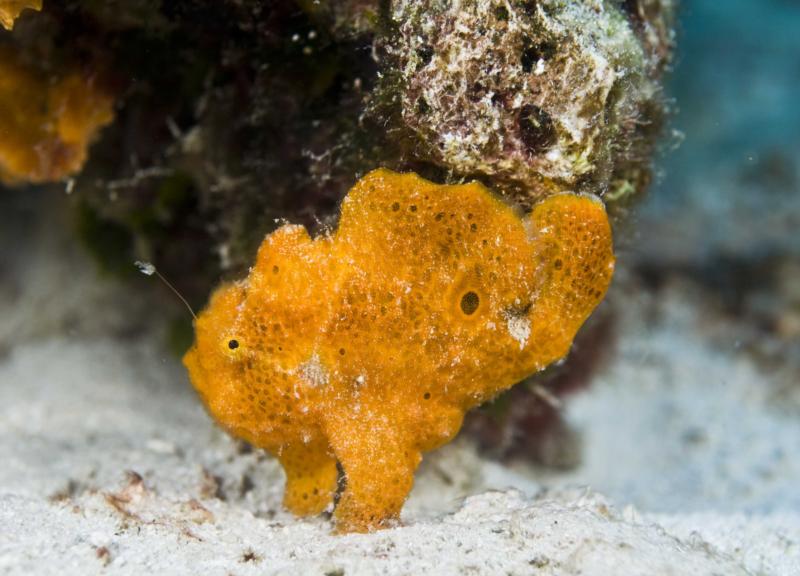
(11, 9)
(47, 124)
(366, 346)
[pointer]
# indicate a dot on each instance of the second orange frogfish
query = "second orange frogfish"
(47, 122)
(367, 346)
(11, 9)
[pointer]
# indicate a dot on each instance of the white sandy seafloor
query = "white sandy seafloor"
(109, 465)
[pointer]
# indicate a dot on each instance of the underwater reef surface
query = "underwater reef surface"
(683, 408)
(110, 466)
(229, 116)
(534, 97)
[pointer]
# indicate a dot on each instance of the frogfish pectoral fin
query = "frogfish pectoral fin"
(573, 240)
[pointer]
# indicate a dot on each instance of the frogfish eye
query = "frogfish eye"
(470, 302)
(233, 344)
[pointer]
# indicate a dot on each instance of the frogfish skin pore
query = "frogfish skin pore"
(367, 346)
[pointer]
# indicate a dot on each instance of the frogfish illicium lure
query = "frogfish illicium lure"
(367, 345)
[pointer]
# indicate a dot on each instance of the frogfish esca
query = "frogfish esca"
(366, 346)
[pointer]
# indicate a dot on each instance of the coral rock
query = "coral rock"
(46, 126)
(11, 9)
(538, 97)
(368, 345)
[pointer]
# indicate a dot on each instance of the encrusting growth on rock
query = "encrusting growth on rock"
(536, 97)
(367, 346)
(46, 126)
(11, 9)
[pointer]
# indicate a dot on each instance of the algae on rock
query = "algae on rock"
(535, 97)
(231, 116)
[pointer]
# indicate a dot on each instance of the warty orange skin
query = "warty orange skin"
(367, 346)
